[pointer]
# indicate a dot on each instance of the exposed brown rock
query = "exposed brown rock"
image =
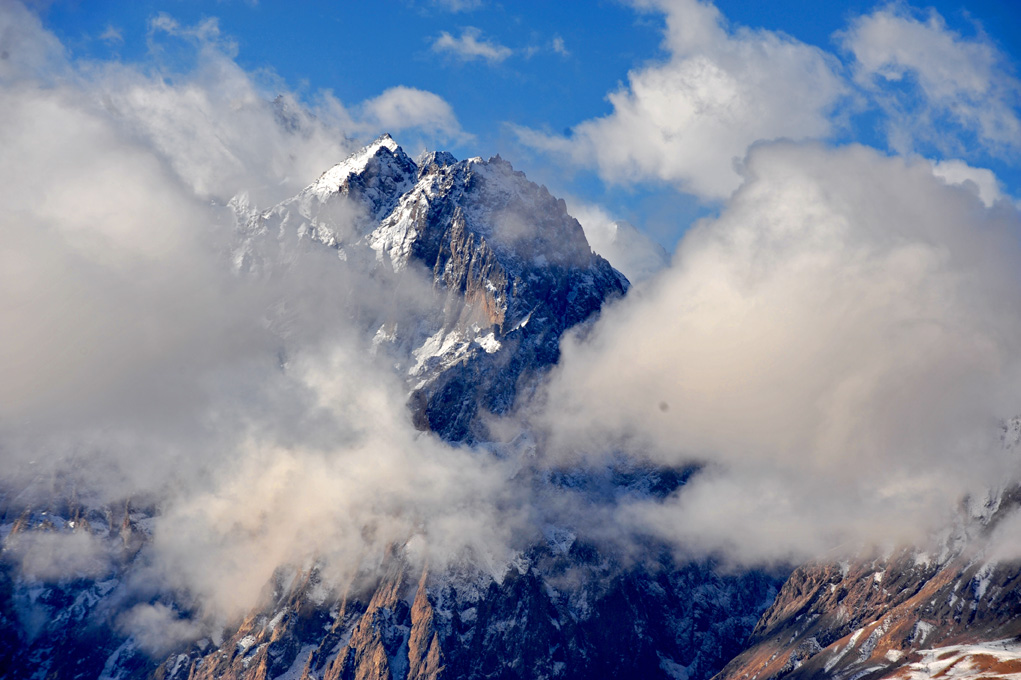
(424, 656)
(369, 654)
(872, 617)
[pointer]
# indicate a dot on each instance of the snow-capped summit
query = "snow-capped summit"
(373, 177)
(429, 159)
(333, 179)
(512, 268)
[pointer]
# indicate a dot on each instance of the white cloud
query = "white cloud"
(221, 132)
(206, 31)
(470, 46)
(112, 35)
(157, 628)
(926, 76)
(57, 555)
(345, 503)
(837, 348)
(980, 180)
(688, 120)
(26, 48)
(400, 108)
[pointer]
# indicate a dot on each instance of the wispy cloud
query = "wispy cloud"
(934, 84)
(458, 5)
(112, 35)
(470, 46)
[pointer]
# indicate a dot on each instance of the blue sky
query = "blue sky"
(507, 68)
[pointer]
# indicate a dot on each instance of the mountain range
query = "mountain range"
(502, 272)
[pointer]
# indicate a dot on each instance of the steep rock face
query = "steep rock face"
(516, 272)
(539, 620)
(425, 656)
(377, 647)
(510, 268)
(876, 617)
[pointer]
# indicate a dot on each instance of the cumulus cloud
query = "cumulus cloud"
(470, 46)
(103, 246)
(980, 180)
(400, 108)
(686, 121)
(836, 349)
(926, 76)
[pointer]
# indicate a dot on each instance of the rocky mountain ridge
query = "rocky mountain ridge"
(896, 615)
(507, 272)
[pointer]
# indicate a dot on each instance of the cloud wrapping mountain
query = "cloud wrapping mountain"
(246, 412)
(836, 348)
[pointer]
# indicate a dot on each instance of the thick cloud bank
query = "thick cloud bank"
(837, 348)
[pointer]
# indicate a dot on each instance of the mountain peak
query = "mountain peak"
(384, 140)
(433, 160)
(384, 146)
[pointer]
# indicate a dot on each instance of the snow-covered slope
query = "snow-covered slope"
(910, 613)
